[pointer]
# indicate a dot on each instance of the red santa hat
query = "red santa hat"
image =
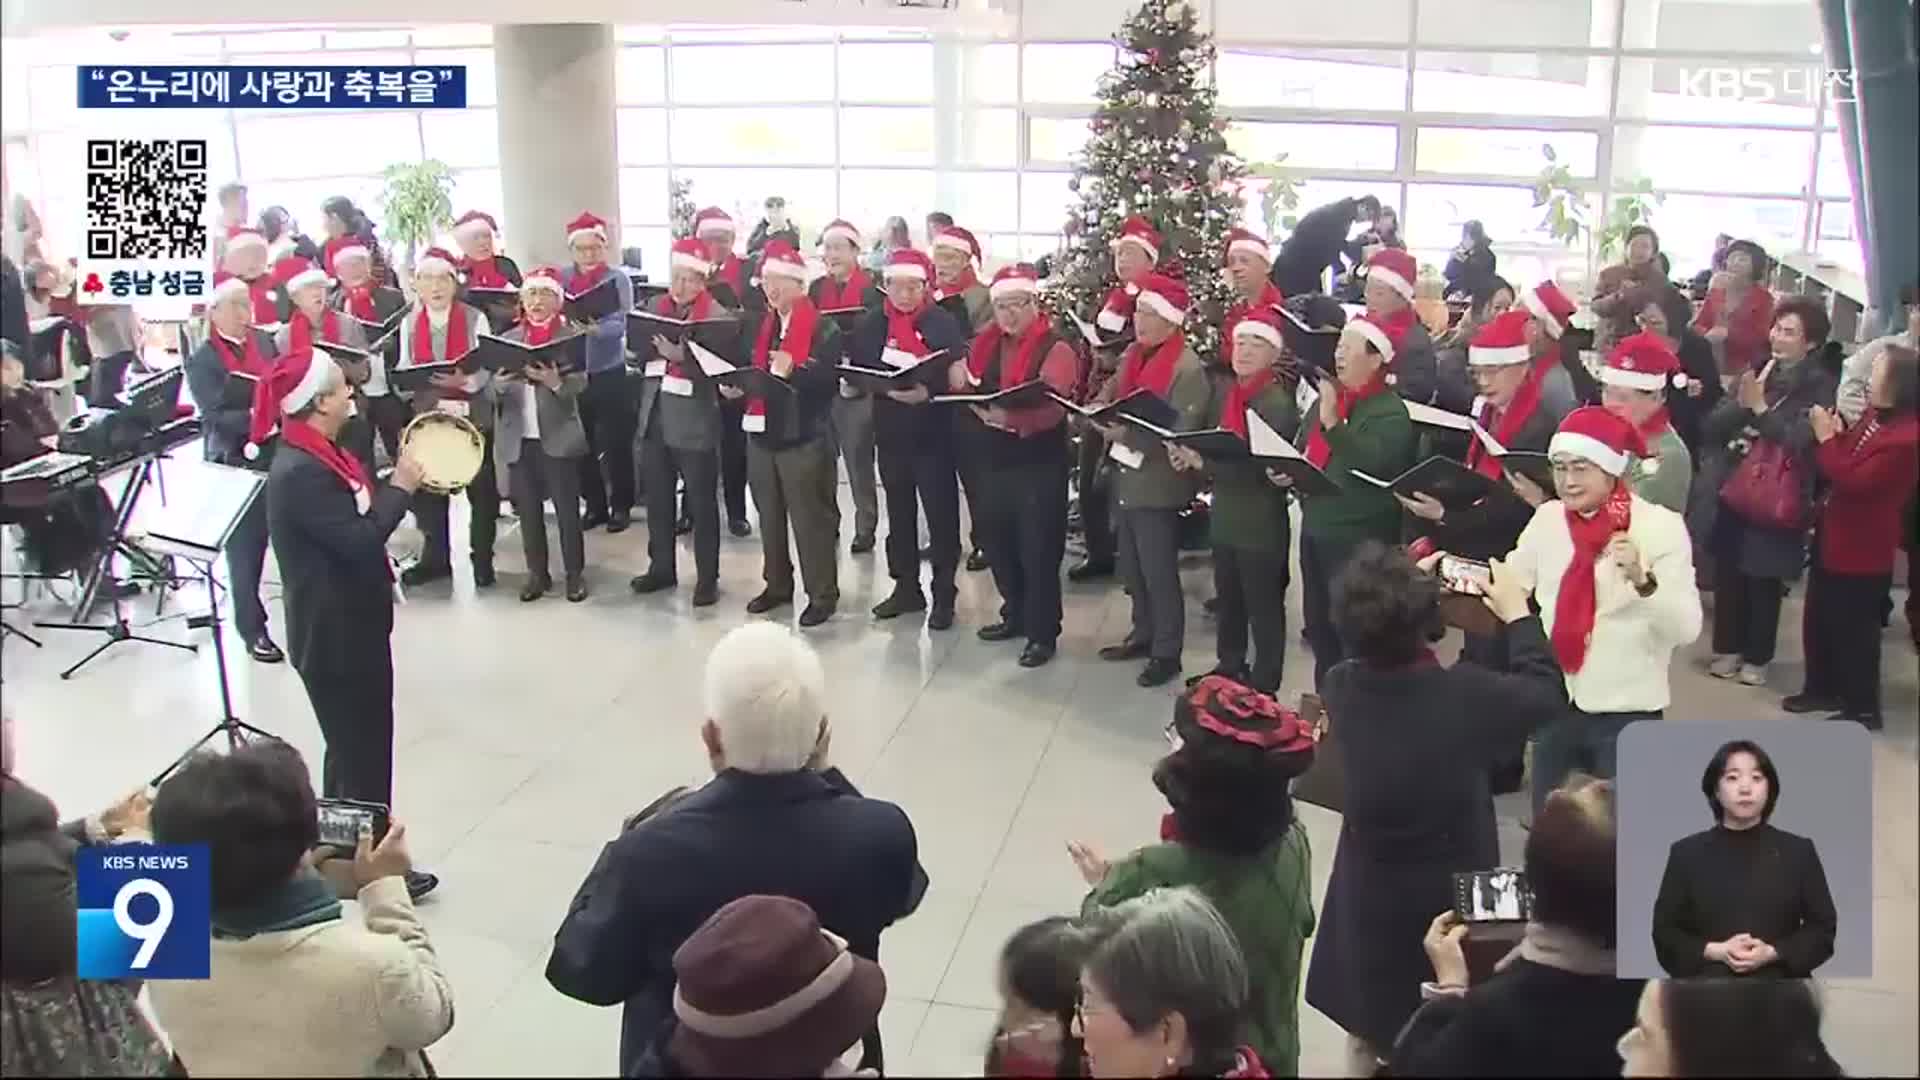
(587, 224)
(1165, 296)
(1502, 341)
(245, 237)
(779, 259)
(1384, 335)
(1137, 230)
(543, 277)
(1594, 434)
(295, 380)
(908, 263)
(711, 222)
(309, 274)
(343, 247)
(1019, 279)
(690, 254)
(955, 238)
(1263, 323)
(1248, 241)
(475, 223)
(1643, 362)
(1396, 268)
(435, 260)
(1548, 304)
(225, 285)
(844, 230)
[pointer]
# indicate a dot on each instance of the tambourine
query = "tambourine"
(449, 448)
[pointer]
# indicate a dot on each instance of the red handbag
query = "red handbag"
(1764, 489)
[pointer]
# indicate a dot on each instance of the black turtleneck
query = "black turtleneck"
(1759, 881)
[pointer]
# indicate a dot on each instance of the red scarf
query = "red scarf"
(700, 308)
(300, 331)
(246, 362)
(484, 274)
(456, 339)
(1505, 424)
(266, 310)
(733, 273)
(537, 334)
(903, 333)
(1016, 369)
(797, 342)
(586, 279)
(1240, 395)
(1269, 297)
(1574, 609)
(324, 450)
(1655, 426)
(360, 302)
(853, 293)
(1155, 373)
(1319, 452)
(961, 284)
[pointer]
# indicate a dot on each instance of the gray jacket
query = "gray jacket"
(561, 433)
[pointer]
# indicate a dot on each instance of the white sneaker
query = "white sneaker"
(1724, 667)
(1753, 674)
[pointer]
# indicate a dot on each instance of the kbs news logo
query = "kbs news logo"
(1786, 84)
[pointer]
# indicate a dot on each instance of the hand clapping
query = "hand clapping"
(1825, 424)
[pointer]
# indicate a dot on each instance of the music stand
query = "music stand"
(196, 529)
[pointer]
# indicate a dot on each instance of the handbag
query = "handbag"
(1765, 489)
(1324, 784)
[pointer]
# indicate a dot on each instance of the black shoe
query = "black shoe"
(535, 588)
(817, 613)
(651, 582)
(1126, 650)
(593, 519)
(1090, 570)
(739, 528)
(862, 543)
(1806, 703)
(1036, 653)
(941, 617)
(1870, 721)
(766, 602)
(619, 520)
(420, 883)
(976, 560)
(421, 573)
(264, 650)
(1000, 631)
(705, 594)
(576, 589)
(899, 604)
(483, 575)
(1159, 672)
(682, 525)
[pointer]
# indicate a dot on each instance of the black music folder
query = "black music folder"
(646, 292)
(757, 382)
(596, 303)
(237, 393)
(1097, 338)
(1144, 404)
(883, 376)
(846, 317)
(1452, 484)
(566, 353)
(378, 331)
(643, 325)
(1024, 396)
(419, 377)
(500, 305)
(1531, 464)
(356, 363)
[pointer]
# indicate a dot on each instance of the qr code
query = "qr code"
(145, 198)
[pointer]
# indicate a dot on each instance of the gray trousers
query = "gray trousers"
(535, 477)
(1149, 542)
(853, 432)
(798, 485)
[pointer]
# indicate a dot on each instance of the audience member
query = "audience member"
(937, 222)
(297, 990)
(1614, 289)
(1316, 243)
(761, 990)
(1738, 311)
(1727, 1028)
(1553, 1007)
(339, 217)
(1851, 399)
(1416, 742)
(1233, 836)
(1165, 992)
(773, 226)
(894, 235)
(1666, 313)
(776, 819)
(1470, 268)
(1039, 998)
(228, 215)
(1760, 442)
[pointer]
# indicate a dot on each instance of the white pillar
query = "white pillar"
(558, 144)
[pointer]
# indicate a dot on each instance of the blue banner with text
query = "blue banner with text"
(276, 87)
(145, 911)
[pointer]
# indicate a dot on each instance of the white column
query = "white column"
(558, 149)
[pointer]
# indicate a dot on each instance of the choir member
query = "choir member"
(247, 258)
(539, 439)
(1135, 251)
(956, 287)
(680, 422)
(1024, 461)
(610, 407)
(231, 201)
(1247, 261)
(441, 329)
(1634, 386)
(846, 285)
(312, 322)
(356, 294)
(235, 348)
(1148, 492)
(330, 526)
(481, 264)
(1252, 534)
(790, 461)
(733, 286)
(1391, 274)
(1568, 384)
(915, 439)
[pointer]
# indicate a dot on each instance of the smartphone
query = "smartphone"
(1492, 896)
(1468, 576)
(342, 819)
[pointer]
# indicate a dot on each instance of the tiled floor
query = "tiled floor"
(526, 732)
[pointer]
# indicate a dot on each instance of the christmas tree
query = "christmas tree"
(1157, 151)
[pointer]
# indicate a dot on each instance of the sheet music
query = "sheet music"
(1374, 480)
(1493, 446)
(1263, 441)
(709, 361)
(1087, 329)
(1307, 397)
(1427, 414)
(204, 502)
(898, 359)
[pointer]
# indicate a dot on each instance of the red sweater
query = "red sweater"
(1871, 486)
(1747, 348)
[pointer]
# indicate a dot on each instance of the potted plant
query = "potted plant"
(1563, 201)
(1279, 198)
(416, 204)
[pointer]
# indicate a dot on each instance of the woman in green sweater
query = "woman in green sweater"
(1233, 836)
(1359, 425)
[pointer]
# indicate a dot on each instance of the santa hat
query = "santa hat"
(1263, 323)
(587, 224)
(1643, 362)
(906, 262)
(343, 247)
(1137, 230)
(842, 229)
(225, 285)
(1396, 268)
(712, 221)
(1165, 297)
(245, 237)
(690, 254)
(1019, 279)
(435, 260)
(1548, 304)
(1502, 341)
(1248, 241)
(290, 386)
(1384, 335)
(305, 276)
(543, 277)
(780, 258)
(1594, 434)
(955, 238)
(475, 222)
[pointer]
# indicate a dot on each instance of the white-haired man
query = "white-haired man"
(776, 819)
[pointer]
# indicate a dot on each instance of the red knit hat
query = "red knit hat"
(842, 229)
(955, 238)
(1643, 362)
(1594, 434)
(587, 224)
(475, 221)
(1502, 341)
(292, 385)
(435, 260)
(712, 221)
(1248, 241)
(906, 262)
(1165, 297)
(779, 258)
(1013, 280)
(1263, 323)
(1137, 230)
(689, 253)
(1548, 304)
(1396, 268)
(543, 277)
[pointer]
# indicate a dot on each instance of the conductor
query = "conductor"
(329, 525)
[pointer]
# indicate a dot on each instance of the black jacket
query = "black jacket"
(1761, 881)
(920, 428)
(799, 417)
(333, 564)
(226, 428)
(808, 835)
(37, 891)
(1689, 413)
(1472, 275)
(1529, 1020)
(1314, 245)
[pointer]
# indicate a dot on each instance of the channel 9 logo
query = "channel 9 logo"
(145, 912)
